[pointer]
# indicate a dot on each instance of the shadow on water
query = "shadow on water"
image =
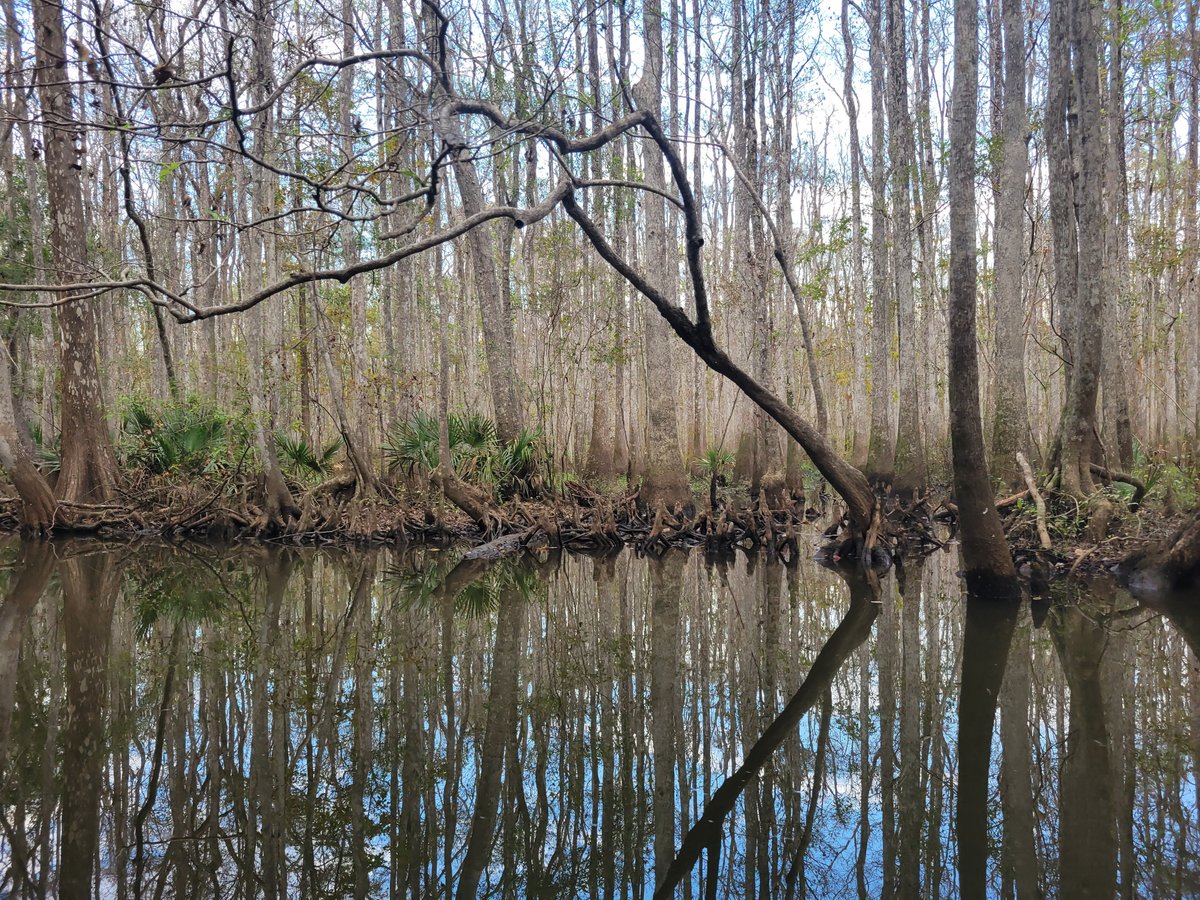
(182, 721)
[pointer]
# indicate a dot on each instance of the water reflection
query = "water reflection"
(188, 721)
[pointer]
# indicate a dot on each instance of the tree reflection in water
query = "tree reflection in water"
(188, 721)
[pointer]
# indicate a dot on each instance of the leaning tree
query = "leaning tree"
(427, 142)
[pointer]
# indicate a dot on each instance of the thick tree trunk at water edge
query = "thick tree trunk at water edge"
(986, 558)
(88, 467)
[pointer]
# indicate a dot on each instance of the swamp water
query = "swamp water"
(197, 722)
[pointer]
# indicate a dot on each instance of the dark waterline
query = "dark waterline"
(243, 722)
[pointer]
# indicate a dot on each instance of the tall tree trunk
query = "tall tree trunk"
(1078, 444)
(986, 558)
(1191, 223)
(665, 479)
(881, 456)
(1061, 181)
(279, 507)
(1010, 423)
(1118, 429)
(89, 466)
(910, 475)
(601, 441)
(858, 311)
(359, 435)
(495, 307)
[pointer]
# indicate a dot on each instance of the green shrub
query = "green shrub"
(715, 462)
(304, 462)
(476, 452)
(49, 458)
(189, 436)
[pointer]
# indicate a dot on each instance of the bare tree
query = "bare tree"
(1010, 421)
(89, 467)
(986, 560)
(665, 478)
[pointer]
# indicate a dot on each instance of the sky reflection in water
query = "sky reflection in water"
(180, 722)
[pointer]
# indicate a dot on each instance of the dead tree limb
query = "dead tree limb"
(1039, 501)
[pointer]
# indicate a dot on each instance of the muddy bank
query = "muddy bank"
(588, 520)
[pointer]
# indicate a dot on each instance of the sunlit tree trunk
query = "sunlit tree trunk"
(910, 474)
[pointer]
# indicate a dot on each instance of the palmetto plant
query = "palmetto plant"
(304, 462)
(190, 436)
(49, 459)
(714, 463)
(476, 452)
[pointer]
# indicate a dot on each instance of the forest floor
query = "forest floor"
(605, 519)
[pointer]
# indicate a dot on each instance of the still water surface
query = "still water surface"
(214, 722)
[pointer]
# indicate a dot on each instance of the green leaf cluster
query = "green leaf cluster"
(479, 457)
(190, 436)
(303, 461)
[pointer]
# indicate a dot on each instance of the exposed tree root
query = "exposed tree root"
(582, 520)
(490, 519)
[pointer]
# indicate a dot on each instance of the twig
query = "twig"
(1031, 484)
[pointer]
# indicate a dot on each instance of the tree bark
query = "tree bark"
(881, 455)
(1010, 423)
(665, 477)
(987, 562)
(910, 474)
(1078, 444)
(88, 466)
(858, 397)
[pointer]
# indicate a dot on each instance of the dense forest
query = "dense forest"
(261, 257)
(417, 312)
